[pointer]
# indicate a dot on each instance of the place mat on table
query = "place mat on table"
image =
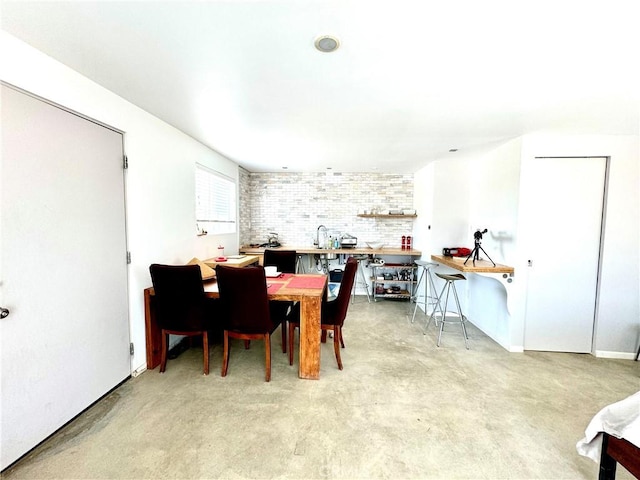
(274, 287)
(307, 282)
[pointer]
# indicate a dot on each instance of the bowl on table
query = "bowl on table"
(375, 245)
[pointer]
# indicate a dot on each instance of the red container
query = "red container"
(404, 242)
(409, 240)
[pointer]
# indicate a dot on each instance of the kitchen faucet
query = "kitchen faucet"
(318, 236)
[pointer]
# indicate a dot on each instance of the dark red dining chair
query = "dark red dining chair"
(333, 312)
(285, 261)
(181, 306)
(246, 311)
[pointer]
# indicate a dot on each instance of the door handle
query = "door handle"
(4, 312)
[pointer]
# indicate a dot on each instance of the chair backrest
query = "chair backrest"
(285, 260)
(341, 303)
(178, 296)
(243, 298)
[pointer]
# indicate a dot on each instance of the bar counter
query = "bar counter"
(479, 266)
(502, 273)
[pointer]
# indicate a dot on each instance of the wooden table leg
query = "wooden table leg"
(607, 463)
(618, 450)
(310, 338)
(152, 332)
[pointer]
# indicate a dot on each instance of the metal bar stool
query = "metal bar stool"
(449, 285)
(426, 279)
(361, 279)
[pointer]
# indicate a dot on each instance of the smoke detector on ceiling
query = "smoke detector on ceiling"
(327, 43)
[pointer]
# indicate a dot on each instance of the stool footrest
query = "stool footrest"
(438, 316)
(451, 276)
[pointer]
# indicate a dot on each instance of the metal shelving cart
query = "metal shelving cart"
(393, 280)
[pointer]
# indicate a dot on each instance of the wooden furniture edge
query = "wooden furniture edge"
(486, 266)
(343, 251)
(618, 450)
(153, 337)
(308, 363)
(242, 262)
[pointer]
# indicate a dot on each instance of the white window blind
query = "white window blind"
(215, 202)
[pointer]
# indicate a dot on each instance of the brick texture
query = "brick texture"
(295, 204)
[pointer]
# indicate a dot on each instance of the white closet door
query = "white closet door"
(63, 276)
(563, 224)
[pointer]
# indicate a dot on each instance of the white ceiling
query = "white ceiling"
(411, 79)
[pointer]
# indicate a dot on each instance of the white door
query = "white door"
(563, 223)
(63, 273)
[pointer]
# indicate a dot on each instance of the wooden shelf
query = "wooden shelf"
(383, 215)
(402, 294)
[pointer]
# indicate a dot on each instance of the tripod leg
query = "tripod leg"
(494, 263)
(473, 254)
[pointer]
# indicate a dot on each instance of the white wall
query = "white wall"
(423, 202)
(483, 192)
(159, 183)
(494, 206)
(472, 192)
(494, 188)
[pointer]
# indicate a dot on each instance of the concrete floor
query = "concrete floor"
(401, 408)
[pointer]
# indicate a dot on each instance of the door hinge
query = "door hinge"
(125, 162)
(131, 349)
(128, 258)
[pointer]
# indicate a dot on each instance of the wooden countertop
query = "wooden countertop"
(481, 266)
(349, 251)
(234, 262)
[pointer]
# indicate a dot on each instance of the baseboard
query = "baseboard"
(616, 355)
(516, 349)
(140, 370)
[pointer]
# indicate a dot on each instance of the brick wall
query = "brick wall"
(295, 204)
(244, 202)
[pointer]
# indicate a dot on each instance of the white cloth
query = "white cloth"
(620, 419)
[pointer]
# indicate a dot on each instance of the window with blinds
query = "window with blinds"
(215, 202)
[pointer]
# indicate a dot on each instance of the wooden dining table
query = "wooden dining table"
(308, 289)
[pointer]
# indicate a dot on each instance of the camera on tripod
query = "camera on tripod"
(478, 235)
(475, 253)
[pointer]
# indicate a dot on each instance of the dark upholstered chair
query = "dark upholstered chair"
(285, 261)
(181, 306)
(333, 313)
(246, 310)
